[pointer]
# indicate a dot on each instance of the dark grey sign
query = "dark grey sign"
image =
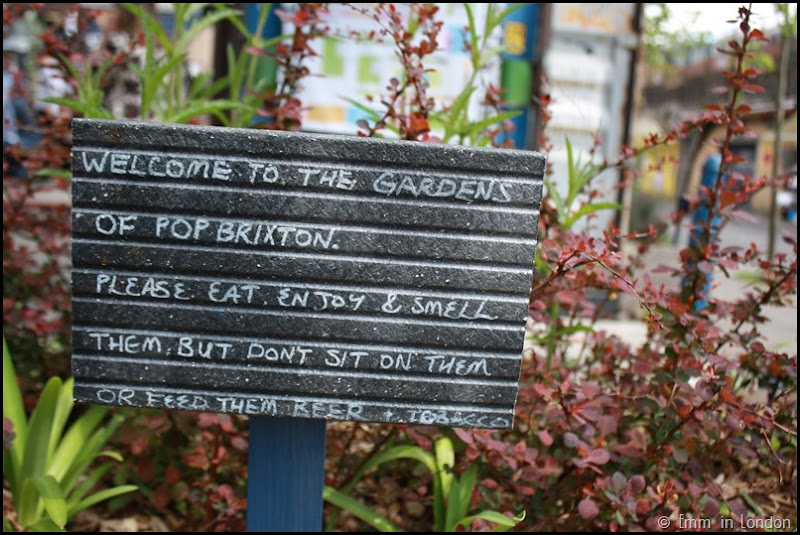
(300, 275)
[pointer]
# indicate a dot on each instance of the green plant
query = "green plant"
(164, 95)
(452, 494)
(47, 469)
(579, 174)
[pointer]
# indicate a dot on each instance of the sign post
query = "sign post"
(297, 276)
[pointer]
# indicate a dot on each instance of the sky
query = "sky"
(713, 17)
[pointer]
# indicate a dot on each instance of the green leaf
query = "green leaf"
(503, 522)
(35, 461)
(358, 510)
(45, 525)
(63, 409)
(87, 484)
(459, 499)
(495, 19)
(51, 171)
(201, 108)
(88, 110)
(558, 201)
(751, 502)
(374, 115)
(457, 112)
(392, 454)
(53, 499)
(29, 506)
(572, 174)
(151, 25)
(111, 455)
(444, 483)
(476, 128)
(445, 461)
(74, 442)
(205, 22)
(590, 209)
(98, 497)
(14, 410)
(89, 452)
(473, 36)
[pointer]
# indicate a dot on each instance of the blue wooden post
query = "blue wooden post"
(285, 474)
(697, 238)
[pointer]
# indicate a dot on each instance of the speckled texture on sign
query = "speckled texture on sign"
(301, 275)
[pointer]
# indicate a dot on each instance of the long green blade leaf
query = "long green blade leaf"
(200, 25)
(358, 510)
(89, 111)
(29, 506)
(53, 499)
(476, 128)
(89, 452)
(14, 410)
(460, 497)
(590, 209)
(503, 522)
(201, 108)
(100, 496)
(398, 452)
(74, 442)
(63, 409)
(35, 461)
(87, 484)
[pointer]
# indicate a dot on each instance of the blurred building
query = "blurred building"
(675, 170)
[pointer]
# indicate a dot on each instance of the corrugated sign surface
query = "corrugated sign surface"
(300, 275)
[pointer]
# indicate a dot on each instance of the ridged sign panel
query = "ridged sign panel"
(300, 275)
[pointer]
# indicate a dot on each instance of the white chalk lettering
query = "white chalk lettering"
(337, 358)
(389, 183)
(321, 409)
(233, 293)
(94, 164)
(110, 224)
(186, 402)
(181, 228)
(330, 178)
(454, 309)
(123, 396)
(274, 235)
(389, 307)
(189, 347)
(290, 354)
(139, 287)
(400, 361)
(131, 343)
(456, 366)
(248, 405)
(268, 173)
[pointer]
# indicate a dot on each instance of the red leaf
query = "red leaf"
(643, 506)
(239, 443)
(636, 485)
(543, 391)
(489, 483)
(465, 436)
(161, 497)
(545, 437)
(571, 440)
(418, 124)
(598, 456)
(172, 475)
(588, 509)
